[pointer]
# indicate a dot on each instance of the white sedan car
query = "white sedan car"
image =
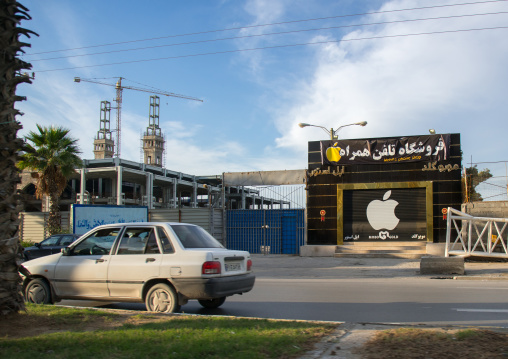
(161, 264)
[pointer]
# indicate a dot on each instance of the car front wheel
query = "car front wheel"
(38, 292)
(212, 303)
(162, 298)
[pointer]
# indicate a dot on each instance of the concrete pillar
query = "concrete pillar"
(113, 187)
(243, 197)
(82, 188)
(100, 188)
(149, 190)
(175, 195)
(119, 180)
(194, 197)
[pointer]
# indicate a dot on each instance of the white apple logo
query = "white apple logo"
(381, 214)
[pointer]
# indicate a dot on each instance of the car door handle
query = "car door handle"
(99, 260)
(150, 260)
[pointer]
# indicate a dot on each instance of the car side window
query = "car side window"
(151, 245)
(138, 241)
(99, 242)
(166, 244)
(66, 240)
(195, 237)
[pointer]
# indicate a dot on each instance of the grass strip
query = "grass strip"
(171, 337)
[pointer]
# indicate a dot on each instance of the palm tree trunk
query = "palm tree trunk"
(54, 220)
(11, 13)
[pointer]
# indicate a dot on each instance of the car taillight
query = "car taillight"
(249, 265)
(211, 268)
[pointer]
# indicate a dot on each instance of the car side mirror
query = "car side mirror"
(38, 245)
(66, 251)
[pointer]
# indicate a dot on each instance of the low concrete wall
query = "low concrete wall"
(317, 251)
(494, 209)
(442, 265)
(436, 249)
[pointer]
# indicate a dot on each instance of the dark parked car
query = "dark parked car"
(50, 245)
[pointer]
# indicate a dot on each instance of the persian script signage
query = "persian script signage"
(85, 217)
(386, 150)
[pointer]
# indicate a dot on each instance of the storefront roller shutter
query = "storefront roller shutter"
(385, 215)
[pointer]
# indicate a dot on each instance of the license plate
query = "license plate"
(230, 267)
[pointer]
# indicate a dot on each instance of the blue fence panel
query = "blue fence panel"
(277, 231)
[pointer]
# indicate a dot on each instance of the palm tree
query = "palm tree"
(11, 14)
(54, 156)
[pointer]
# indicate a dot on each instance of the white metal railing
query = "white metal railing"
(475, 236)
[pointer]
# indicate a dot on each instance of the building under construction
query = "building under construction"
(226, 207)
(108, 179)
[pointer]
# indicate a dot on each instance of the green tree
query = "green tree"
(11, 15)
(54, 156)
(471, 180)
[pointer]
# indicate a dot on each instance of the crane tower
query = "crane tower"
(104, 146)
(153, 140)
(119, 89)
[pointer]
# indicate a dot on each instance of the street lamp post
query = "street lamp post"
(331, 132)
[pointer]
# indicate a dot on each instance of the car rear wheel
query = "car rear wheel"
(212, 303)
(38, 292)
(162, 298)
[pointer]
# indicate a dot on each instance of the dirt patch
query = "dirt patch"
(22, 325)
(408, 343)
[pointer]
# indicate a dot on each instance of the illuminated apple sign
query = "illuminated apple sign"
(381, 214)
(333, 153)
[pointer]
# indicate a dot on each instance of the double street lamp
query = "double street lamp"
(331, 132)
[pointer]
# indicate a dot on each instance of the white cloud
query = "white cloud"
(402, 86)
(406, 85)
(263, 12)
(203, 159)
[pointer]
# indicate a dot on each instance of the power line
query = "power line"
(493, 185)
(275, 47)
(479, 163)
(270, 24)
(496, 195)
(271, 34)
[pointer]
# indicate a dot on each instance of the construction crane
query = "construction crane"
(119, 89)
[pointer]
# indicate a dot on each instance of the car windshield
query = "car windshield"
(195, 237)
(51, 241)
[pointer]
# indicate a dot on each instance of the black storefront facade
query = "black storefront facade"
(382, 189)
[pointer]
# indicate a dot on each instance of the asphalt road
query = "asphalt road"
(364, 290)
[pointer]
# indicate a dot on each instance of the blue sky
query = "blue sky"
(253, 100)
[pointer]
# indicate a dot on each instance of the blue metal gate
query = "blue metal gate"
(268, 231)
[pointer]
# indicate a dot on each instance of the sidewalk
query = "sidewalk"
(287, 266)
(348, 336)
